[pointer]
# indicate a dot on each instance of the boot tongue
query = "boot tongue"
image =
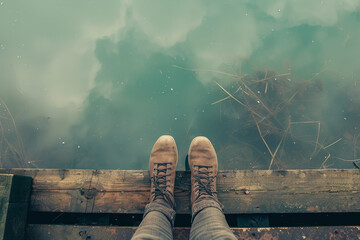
(161, 172)
(204, 180)
(204, 176)
(160, 180)
(204, 173)
(160, 191)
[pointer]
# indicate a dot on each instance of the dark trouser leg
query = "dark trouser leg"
(208, 221)
(157, 222)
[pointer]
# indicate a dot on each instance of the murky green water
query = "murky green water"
(93, 84)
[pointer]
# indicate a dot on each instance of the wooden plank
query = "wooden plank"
(14, 201)
(5, 184)
(257, 191)
(67, 232)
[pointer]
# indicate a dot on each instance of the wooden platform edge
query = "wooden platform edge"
(240, 191)
(69, 232)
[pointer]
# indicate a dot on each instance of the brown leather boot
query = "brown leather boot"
(203, 165)
(163, 160)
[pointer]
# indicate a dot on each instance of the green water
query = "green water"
(93, 84)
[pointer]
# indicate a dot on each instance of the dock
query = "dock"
(83, 204)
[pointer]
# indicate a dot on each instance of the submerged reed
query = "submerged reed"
(281, 125)
(12, 151)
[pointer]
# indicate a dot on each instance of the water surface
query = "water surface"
(93, 84)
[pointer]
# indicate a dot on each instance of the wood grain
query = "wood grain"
(250, 191)
(63, 232)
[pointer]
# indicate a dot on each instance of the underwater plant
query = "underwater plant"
(12, 152)
(293, 121)
(280, 121)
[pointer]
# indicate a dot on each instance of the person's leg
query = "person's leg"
(157, 223)
(159, 214)
(208, 220)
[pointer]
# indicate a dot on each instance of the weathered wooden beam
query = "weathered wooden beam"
(14, 201)
(67, 232)
(250, 191)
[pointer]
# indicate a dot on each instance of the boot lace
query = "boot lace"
(204, 180)
(161, 183)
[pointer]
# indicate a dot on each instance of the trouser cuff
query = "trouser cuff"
(160, 205)
(203, 203)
